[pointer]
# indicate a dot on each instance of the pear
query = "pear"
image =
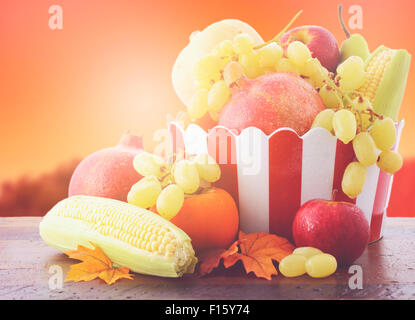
(354, 45)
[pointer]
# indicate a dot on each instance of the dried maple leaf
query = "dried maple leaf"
(95, 264)
(257, 251)
(210, 260)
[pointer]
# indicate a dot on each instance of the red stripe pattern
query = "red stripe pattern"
(285, 163)
(284, 177)
(222, 147)
(344, 155)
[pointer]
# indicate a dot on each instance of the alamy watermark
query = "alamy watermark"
(55, 281)
(356, 280)
(56, 19)
(356, 19)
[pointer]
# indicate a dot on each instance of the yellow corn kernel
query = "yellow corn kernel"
(155, 245)
(375, 71)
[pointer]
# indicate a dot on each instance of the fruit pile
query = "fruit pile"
(228, 72)
(229, 75)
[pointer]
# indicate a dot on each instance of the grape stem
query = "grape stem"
(373, 113)
(339, 7)
(278, 36)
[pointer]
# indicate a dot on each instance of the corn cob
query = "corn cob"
(387, 72)
(130, 236)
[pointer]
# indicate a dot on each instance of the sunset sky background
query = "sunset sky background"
(67, 93)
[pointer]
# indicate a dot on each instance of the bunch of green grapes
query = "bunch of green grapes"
(298, 60)
(351, 118)
(215, 73)
(165, 185)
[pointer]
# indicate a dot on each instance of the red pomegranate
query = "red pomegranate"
(109, 172)
(270, 102)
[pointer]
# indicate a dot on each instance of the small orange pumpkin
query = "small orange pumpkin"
(209, 218)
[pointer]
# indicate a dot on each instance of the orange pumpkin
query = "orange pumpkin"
(210, 219)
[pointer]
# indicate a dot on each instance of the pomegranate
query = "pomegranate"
(109, 172)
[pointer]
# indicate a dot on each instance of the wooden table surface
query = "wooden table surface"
(388, 273)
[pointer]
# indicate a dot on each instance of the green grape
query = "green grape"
(249, 61)
(208, 68)
(365, 149)
(307, 252)
(198, 105)
(329, 96)
(298, 53)
(243, 43)
(204, 184)
(384, 133)
(145, 192)
(267, 70)
(354, 178)
(351, 73)
(311, 67)
(186, 176)
(224, 50)
(203, 84)
(324, 120)
(284, 65)
(344, 125)
(232, 72)
(292, 265)
(321, 77)
(170, 201)
(321, 265)
(362, 105)
(147, 164)
(269, 55)
(390, 161)
(218, 95)
(207, 167)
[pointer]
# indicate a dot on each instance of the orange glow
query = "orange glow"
(66, 93)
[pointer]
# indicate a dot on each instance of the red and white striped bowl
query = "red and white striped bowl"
(270, 177)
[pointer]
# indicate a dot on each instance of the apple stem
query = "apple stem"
(342, 22)
(278, 36)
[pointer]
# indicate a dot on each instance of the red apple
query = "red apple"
(270, 102)
(338, 228)
(320, 41)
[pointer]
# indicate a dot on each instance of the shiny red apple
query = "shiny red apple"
(272, 101)
(321, 42)
(338, 228)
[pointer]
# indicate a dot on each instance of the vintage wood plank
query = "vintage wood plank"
(388, 273)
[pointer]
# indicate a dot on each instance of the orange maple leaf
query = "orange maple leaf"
(210, 259)
(256, 251)
(95, 265)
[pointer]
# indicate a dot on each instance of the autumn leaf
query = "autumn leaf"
(210, 259)
(95, 265)
(256, 251)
